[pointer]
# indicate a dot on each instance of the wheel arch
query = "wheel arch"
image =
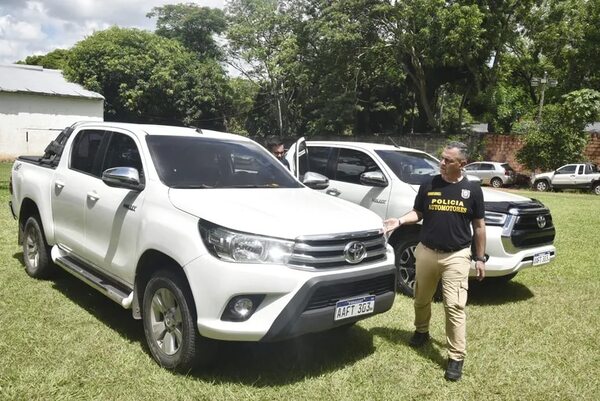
(28, 209)
(404, 232)
(149, 263)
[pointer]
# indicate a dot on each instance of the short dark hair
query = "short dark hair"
(273, 141)
(462, 149)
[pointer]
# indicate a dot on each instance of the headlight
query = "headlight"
(236, 246)
(495, 219)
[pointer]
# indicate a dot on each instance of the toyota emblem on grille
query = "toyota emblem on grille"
(541, 221)
(354, 252)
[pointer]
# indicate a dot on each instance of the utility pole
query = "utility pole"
(543, 83)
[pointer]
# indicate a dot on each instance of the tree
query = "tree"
(560, 138)
(56, 59)
(192, 25)
(148, 78)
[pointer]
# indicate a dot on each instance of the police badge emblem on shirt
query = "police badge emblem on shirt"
(465, 193)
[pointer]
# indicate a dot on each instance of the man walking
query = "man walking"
(449, 205)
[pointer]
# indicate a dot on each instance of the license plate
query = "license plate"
(347, 308)
(541, 258)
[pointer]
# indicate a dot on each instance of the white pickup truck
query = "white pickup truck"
(385, 179)
(203, 235)
(570, 176)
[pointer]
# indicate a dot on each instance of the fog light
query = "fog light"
(241, 307)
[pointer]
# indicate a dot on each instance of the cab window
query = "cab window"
(85, 154)
(318, 159)
(570, 169)
(122, 152)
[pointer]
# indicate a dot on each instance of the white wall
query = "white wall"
(28, 122)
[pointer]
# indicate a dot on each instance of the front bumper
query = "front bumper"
(504, 261)
(295, 301)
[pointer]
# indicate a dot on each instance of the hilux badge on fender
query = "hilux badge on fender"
(541, 221)
(354, 252)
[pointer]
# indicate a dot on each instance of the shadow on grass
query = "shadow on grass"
(250, 363)
(497, 292)
(273, 364)
(434, 350)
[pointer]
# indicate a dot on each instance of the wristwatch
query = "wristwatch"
(479, 259)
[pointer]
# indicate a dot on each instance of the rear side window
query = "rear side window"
(351, 164)
(318, 159)
(85, 153)
(486, 166)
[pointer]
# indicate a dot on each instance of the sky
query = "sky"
(34, 27)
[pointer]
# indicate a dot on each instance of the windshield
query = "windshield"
(196, 162)
(411, 167)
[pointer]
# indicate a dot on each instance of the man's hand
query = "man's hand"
(480, 269)
(391, 224)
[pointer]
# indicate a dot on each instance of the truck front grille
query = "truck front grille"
(329, 295)
(321, 252)
(527, 232)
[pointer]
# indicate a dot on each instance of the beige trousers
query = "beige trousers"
(453, 269)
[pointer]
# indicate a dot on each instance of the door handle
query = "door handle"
(59, 184)
(93, 196)
(333, 192)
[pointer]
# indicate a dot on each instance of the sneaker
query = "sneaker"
(454, 370)
(418, 339)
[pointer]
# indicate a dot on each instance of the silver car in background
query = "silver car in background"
(496, 174)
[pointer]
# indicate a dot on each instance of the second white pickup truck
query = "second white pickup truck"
(203, 235)
(385, 179)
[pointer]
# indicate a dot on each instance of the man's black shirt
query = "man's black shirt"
(448, 209)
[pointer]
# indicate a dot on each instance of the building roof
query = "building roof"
(593, 127)
(35, 79)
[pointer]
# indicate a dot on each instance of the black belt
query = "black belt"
(445, 250)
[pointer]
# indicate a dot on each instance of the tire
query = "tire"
(36, 252)
(596, 188)
(169, 320)
(496, 182)
(541, 186)
(405, 268)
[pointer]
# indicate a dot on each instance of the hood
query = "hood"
(275, 212)
(492, 195)
(549, 174)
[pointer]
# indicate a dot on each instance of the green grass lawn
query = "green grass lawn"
(535, 338)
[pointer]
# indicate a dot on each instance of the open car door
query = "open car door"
(297, 157)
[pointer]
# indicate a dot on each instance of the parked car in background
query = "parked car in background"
(570, 176)
(496, 174)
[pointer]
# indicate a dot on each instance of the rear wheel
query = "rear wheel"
(496, 182)
(170, 324)
(596, 188)
(405, 268)
(36, 252)
(541, 186)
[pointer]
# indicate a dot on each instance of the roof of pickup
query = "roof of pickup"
(363, 145)
(151, 129)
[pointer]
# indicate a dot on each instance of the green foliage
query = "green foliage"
(148, 78)
(560, 138)
(192, 25)
(56, 59)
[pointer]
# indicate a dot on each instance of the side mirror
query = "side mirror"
(373, 179)
(123, 177)
(315, 180)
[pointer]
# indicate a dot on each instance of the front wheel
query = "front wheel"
(541, 186)
(496, 182)
(169, 324)
(36, 252)
(405, 268)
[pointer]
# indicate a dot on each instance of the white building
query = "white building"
(36, 104)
